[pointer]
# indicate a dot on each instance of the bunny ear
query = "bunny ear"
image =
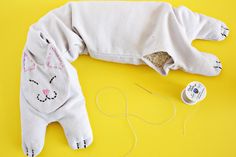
(28, 63)
(53, 59)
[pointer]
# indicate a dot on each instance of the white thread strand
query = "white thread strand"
(190, 115)
(126, 114)
(156, 123)
(119, 115)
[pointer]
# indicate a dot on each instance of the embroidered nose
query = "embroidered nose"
(45, 91)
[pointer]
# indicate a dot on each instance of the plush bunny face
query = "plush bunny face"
(45, 87)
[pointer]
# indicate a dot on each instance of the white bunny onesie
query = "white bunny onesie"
(124, 32)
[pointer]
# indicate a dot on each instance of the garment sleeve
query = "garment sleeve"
(56, 27)
(199, 26)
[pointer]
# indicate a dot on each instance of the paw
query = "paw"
(31, 150)
(83, 144)
(209, 65)
(224, 32)
(217, 66)
(80, 143)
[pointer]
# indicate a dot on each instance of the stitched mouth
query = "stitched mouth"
(47, 97)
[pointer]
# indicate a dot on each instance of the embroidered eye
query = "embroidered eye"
(34, 81)
(52, 79)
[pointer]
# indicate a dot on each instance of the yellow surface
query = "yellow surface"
(210, 127)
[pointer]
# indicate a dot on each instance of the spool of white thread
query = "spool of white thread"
(193, 93)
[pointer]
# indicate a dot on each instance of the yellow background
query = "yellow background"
(211, 124)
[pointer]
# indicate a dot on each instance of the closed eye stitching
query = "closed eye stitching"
(52, 79)
(34, 81)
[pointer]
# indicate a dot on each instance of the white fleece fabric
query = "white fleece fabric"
(123, 32)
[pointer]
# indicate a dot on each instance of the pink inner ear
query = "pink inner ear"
(28, 63)
(53, 59)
